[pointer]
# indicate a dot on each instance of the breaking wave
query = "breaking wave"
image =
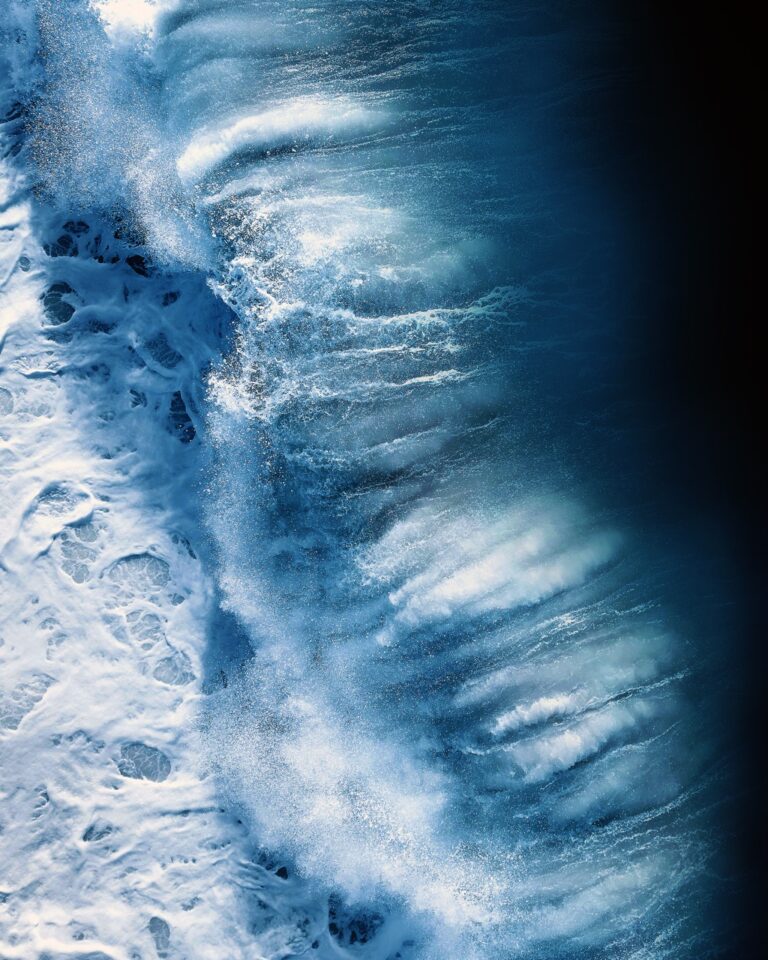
(464, 704)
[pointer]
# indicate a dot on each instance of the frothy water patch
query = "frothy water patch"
(293, 125)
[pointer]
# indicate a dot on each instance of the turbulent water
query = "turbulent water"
(443, 682)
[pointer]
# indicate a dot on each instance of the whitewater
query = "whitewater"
(333, 620)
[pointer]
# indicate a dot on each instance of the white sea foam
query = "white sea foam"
(110, 830)
(292, 125)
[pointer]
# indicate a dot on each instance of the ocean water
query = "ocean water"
(328, 475)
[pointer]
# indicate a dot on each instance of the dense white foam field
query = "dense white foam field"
(460, 714)
(112, 842)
